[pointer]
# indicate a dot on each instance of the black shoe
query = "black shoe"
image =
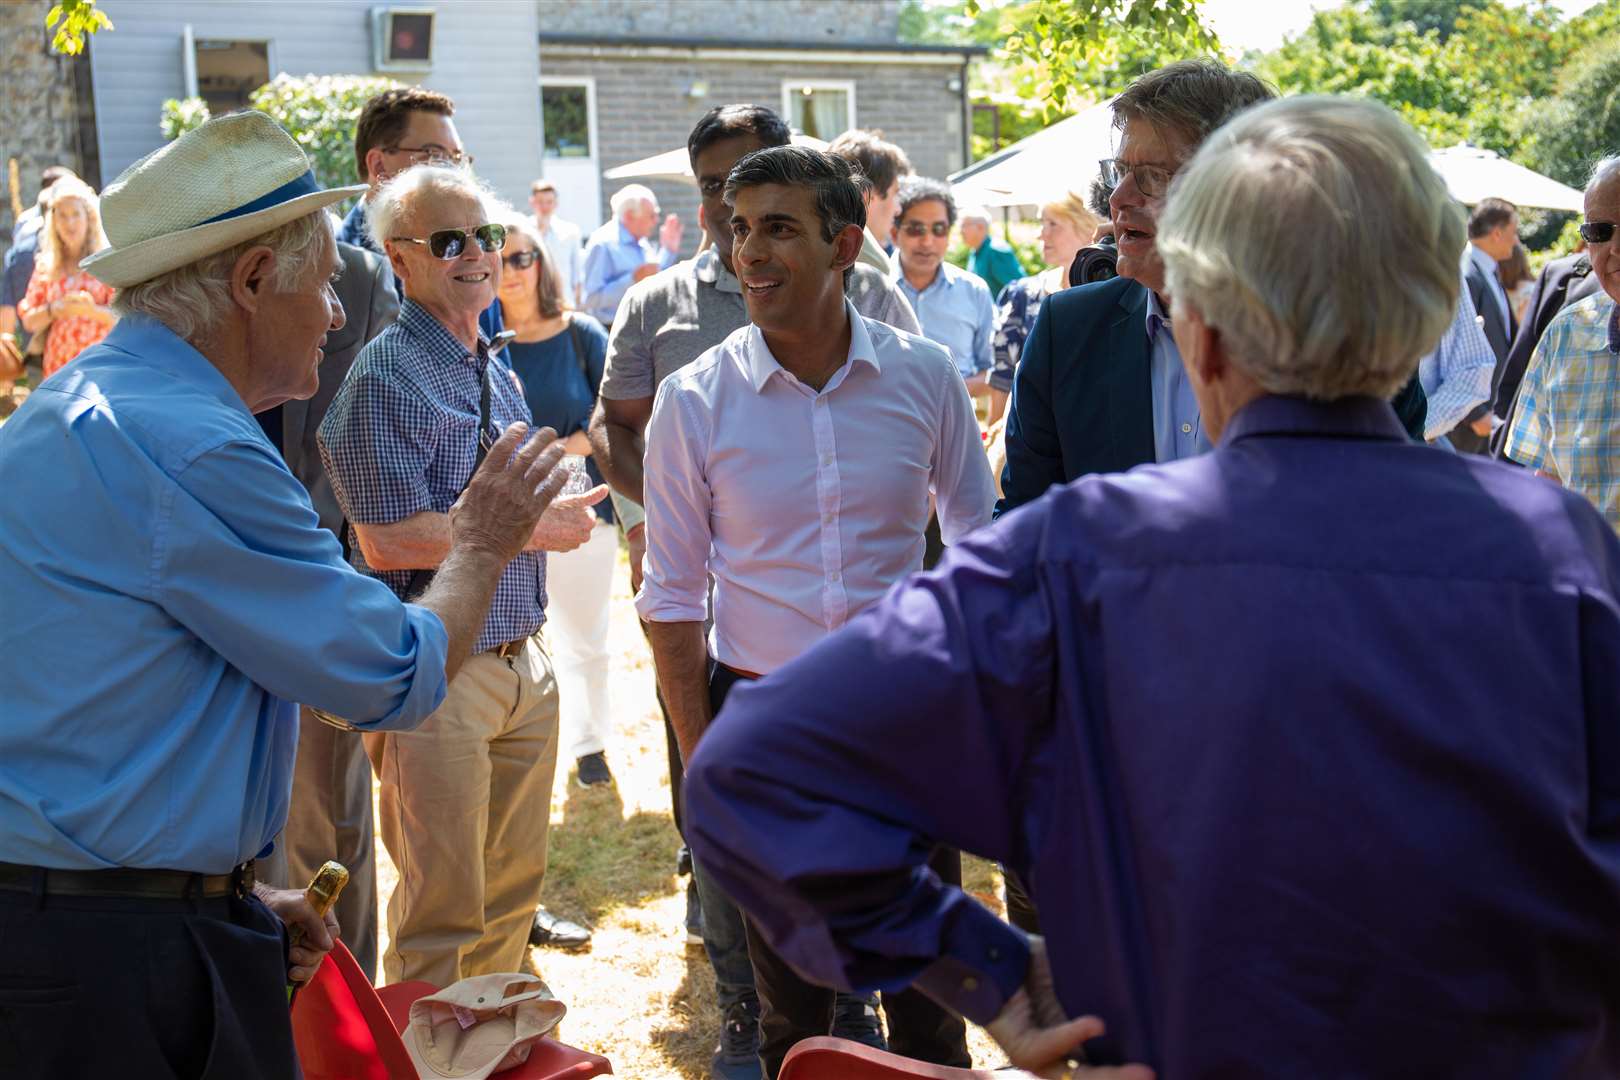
(737, 1056)
(549, 931)
(855, 1017)
(593, 770)
(683, 861)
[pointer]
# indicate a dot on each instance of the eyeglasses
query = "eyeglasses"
(436, 155)
(1151, 180)
(521, 260)
(1597, 232)
(450, 243)
(918, 228)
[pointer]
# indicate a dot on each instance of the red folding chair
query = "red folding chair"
(826, 1058)
(346, 1029)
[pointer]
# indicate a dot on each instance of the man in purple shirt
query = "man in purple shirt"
(1278, 825)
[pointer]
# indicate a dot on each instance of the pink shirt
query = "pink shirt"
(804, 506)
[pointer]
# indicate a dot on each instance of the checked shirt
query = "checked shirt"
(1567, 420)
(401, 437)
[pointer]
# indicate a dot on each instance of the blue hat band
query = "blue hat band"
(292, 189)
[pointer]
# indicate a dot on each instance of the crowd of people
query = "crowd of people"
(1179, 593)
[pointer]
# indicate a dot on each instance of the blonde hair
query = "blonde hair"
(53, 257)
(549, 294)
(1072, 210)
(1350, 311)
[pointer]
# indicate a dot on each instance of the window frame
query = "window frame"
(794, 88)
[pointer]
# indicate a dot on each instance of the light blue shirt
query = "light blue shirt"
(169, 594)
(956, 311)
(1178, 428)
(1456, 376)
(612, 257)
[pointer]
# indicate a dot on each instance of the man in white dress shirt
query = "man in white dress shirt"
(807, 503)
(564, 247)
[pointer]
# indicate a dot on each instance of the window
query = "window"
(229, 71)
(565, 118)
(820, 109)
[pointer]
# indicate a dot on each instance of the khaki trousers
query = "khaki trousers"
(329, 817)
(464, 808)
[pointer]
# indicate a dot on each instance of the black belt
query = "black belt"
(127, 882)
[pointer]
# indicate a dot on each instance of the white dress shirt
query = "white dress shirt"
(804, 506)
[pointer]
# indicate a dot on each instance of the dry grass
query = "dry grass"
(639, 997)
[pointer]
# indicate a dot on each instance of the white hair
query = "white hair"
(974, 213)
(395, 203)
(1313, 234)
(632, 195)
(1605, 170)
(192, 299)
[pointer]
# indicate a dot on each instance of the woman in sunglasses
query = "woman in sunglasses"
(560, 354)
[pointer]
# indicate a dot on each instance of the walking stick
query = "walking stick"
(322, 894)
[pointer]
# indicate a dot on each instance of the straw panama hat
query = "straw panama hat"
(233, 178)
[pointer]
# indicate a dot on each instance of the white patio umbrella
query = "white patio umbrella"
(1043, 166)
(1473, 174)
(675, 166)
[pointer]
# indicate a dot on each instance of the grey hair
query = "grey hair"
(392, 206)
(1189, 98)
(1606, 169)
(973, 213)
(192, 300)
(632, 194)
(1351, 311)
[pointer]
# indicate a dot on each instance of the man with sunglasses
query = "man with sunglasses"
(1566, 421)
(954, 307)
(464, 799)
(1100, 386)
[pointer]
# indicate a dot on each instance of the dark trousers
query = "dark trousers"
(1020, 908)
(791, 1008)
(98, 987)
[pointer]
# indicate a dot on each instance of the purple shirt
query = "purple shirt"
(1298, 788)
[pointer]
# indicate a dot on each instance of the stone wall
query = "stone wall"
(739, 21)
(39, 105)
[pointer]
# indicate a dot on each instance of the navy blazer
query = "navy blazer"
(1082, 398)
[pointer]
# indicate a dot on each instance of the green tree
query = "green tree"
(73, 21)
(319, 111)
(1582, 122)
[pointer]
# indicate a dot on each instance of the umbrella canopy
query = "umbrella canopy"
(1473, 174)
(674, 166)
(1042, 167)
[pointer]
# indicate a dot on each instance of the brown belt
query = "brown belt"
(508, 649)
(127, 882)
(740, 673)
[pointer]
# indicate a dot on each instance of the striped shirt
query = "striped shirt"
(1567, 420)
(401, 437)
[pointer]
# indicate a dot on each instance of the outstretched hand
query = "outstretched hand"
(511, 489)
(1037, 1036)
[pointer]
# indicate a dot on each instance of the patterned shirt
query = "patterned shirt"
(401, 437)
(1456, 376)
(1567, 421)
(69, 336)
(1016, 308)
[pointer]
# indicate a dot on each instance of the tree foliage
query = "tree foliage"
(319, 111)
(73, 21)
(1582, 123)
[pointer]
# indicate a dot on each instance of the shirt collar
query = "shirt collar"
(943, 280)
(1482, 260)
(708, 268)
(417, 320)
(626, 237)
(760, 365)
(1354, 417)
(156, 345)
(1157, 318)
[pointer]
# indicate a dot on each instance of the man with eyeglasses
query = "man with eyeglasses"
(954, 307)
(1100, 386)
(465, 799)
(621, 253)
(1566, 421)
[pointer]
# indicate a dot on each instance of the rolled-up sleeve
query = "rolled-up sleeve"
(259, 582)
(376, 442)
(818, 793)
(675, 573)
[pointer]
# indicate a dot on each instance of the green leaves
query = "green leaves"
(73, 21)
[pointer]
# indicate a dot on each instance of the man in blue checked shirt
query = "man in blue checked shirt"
(170, 598)
(621, 253)
(465, 797)
(1457, 375)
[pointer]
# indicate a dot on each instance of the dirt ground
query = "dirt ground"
(639, 997)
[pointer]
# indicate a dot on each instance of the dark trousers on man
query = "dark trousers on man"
(115, 986)
(792, 1009)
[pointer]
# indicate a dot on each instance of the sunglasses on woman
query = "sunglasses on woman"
(1597, 232)
(520, 260)
(450, 243)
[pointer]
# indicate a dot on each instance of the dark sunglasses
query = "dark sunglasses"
(521, 260)
(450, 243)
(917, 228)
(1597, 232)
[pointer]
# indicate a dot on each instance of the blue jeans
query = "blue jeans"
(725, 943)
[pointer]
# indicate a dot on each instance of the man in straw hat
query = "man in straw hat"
(169, 596)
